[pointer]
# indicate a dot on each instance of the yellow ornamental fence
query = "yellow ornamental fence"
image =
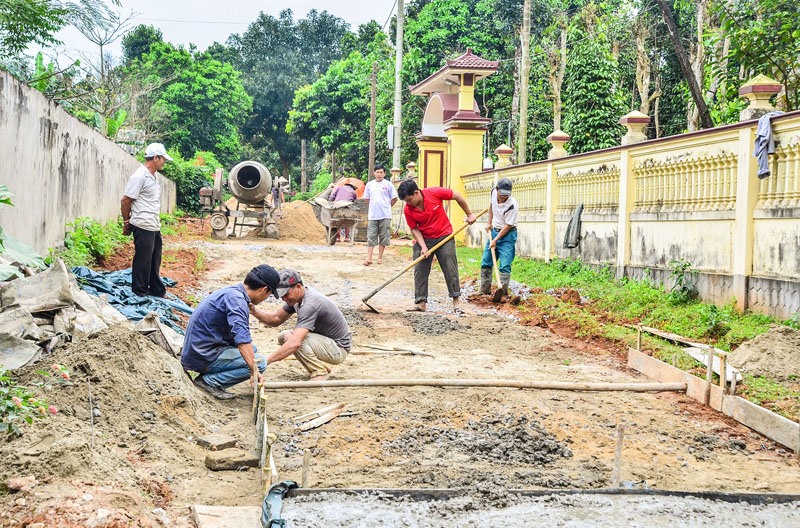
(691, 184)
(781, 190)
(694, 196)
(597, 190)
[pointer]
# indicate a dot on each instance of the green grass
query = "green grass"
(200, 262)
(761, 390)
(88, 240)
(614, 303)
(625, 300)
(169, 223)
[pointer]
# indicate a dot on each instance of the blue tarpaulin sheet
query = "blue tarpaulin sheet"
(116, 285)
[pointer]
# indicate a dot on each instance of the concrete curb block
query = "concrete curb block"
(771, 425)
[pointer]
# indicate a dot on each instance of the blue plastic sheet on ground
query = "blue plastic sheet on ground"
(116, 285)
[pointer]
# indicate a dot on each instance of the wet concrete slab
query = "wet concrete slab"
(499, 509)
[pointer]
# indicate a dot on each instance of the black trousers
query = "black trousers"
(146, 269)
(446, 255)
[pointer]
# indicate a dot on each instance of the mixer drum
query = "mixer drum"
(250, 182)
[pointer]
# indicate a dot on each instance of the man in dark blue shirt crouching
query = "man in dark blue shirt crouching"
(218, 343)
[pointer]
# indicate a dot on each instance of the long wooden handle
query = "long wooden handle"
(496, 268)
(518, 384)
(422, 257)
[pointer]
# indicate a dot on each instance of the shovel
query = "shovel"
(417, 261)
(500, 291)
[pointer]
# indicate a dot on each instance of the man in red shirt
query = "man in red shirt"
(426, 217)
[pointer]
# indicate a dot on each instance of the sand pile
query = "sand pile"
(774, 354)
(297, 222)
(143, 407)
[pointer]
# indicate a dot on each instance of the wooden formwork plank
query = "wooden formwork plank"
(764, 421)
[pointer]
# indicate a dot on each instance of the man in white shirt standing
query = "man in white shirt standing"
(140, 207)
(502, 225)
(381, 196)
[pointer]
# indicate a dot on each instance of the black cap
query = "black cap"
(266, 275)
(504, 186)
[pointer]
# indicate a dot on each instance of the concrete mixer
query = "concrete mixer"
(251, 184)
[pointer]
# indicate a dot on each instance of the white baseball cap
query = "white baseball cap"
(156, 149)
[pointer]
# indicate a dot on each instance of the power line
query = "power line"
(180, 21)
(388, 18)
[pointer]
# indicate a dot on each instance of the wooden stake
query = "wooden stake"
(615, 476)
(709, 374)
(91, 411)
(722, 374)
(639, 338)
(733, 386)
(306, 462)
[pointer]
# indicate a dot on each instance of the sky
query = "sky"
(202, 22)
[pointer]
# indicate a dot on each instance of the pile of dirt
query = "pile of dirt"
(355, 319)
(431, 324)
(774, 354)
(297, 222)
(141, 403)
(507, 440)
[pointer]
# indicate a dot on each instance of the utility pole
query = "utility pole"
(372, 114)
(525, 40)
(398, 86)
(303, 175)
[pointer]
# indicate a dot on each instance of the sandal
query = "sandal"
(367, 263)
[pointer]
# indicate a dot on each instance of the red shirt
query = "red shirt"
(432, 221)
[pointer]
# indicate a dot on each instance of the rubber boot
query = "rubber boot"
(505, 278)
(486, 281)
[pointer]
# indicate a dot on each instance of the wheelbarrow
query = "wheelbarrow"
(336, 218)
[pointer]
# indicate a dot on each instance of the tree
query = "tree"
(277, 56)
(593, 102)
(102, 32)
(689, 75)
(765, 38)
(222, 53)
(138, 41)
(361, 40)
(196, 102)
(27, 22)
(332, 112)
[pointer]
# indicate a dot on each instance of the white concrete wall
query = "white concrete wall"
(58, 168)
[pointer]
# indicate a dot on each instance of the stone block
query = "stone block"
(230, 459)
(216, 442)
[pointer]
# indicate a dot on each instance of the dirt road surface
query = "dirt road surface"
(418, 437)
(411, 437)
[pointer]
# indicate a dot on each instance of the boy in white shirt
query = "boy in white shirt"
(381, 195)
